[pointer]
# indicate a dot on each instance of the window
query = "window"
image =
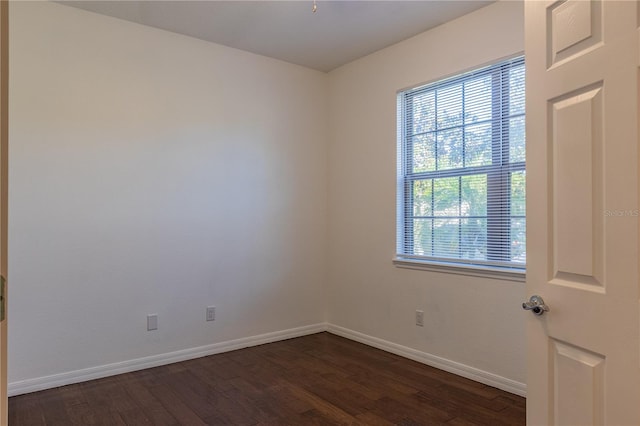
(461, 170)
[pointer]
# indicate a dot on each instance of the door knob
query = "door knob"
(536, 305)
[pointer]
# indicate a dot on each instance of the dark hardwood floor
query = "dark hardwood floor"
(319, 379)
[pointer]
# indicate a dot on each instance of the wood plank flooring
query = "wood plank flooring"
(320, 379)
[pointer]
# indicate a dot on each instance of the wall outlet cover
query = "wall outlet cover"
(152, 322)
(211, 313)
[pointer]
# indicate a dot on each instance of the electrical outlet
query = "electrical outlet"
(420, 318)
(211, 313)
(152, 322)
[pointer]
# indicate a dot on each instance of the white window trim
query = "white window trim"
(482, 271)
(505, 273)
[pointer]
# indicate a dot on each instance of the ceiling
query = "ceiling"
(338, 33)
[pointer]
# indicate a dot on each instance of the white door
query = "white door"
(582, 212)
(4, 143)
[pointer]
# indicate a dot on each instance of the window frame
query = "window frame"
(498, 175)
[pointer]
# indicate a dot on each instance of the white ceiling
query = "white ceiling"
(339, 32)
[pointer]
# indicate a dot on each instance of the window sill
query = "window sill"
(506, 274)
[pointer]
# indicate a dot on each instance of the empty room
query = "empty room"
(319, 212)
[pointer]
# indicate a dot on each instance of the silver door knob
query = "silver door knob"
(535, 305)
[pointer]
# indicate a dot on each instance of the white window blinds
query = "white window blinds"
(461, 169)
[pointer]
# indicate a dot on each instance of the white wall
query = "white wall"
(473, 321)
(156, 173)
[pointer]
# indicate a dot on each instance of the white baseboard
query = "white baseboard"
(48, 382)
(77, 376)
(463, 370)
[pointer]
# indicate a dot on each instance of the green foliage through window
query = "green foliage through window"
(462, 178)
